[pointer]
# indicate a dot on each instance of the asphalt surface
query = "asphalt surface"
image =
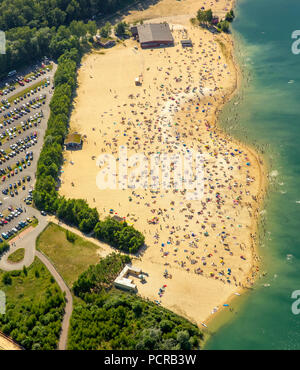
(27, 240)
(17, 200)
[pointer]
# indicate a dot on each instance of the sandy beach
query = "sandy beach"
(200, 251)
(7, 344)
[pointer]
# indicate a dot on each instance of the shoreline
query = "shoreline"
(263, 181)
(214, 290)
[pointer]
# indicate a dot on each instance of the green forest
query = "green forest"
(34, 309)
(105, 318)
(48, 27)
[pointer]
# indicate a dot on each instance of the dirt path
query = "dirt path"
(69, 300)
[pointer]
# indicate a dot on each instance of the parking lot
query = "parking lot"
(23, 121)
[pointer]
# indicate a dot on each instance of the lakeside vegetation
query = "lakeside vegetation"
(206, 19)
(100, 276)
(34, 307)
(106, 318)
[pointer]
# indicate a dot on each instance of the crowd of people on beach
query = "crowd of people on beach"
(174, 112)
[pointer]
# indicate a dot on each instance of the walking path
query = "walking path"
(27, 241)
(69, 300)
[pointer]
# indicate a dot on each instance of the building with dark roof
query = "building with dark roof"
(186, 43)
(134, 31)
(155, 35)
(73, 141)
(104, 43)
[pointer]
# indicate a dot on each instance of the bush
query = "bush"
(223, 26)
(230, 16)
(6, 279)
(121, 28)
(3, 248)
(71, 237)
(183, 339)
(166, 326)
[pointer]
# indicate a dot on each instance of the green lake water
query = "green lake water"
(266, 113)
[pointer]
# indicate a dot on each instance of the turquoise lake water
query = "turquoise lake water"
(268, 115)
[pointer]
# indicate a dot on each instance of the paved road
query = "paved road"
(69, 300)
(17, 200)
(26, 241)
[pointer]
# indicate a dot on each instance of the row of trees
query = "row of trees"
(72, 211)
(109, 319)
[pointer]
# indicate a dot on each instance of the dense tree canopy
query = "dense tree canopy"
(119, 234)
(35, 28)
(52, 13)
(100, 276)
(34, 307)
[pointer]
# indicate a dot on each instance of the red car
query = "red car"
(21, 83)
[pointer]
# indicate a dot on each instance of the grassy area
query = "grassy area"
(26, 288)
(34, 307)
(17, 256)
(70, 258)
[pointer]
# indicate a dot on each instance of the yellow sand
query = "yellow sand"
(109, 105)
(7, 344)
